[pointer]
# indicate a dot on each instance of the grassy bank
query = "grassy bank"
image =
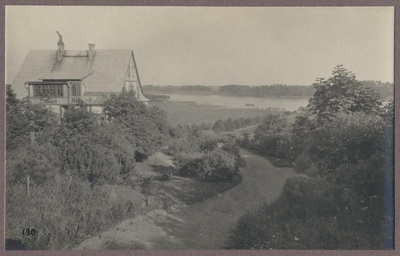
(189, 113)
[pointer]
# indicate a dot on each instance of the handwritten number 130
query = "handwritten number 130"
(28, 232)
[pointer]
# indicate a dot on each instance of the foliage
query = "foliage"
(205, 157)
(39, 162)
(312, 214)
(24, 120)
(217, 165)
(11, 98)
(272, 136)
(65, 217)
(159, 117)
(144, 127)
(79, 120)
(342, 93)
(123, 105)
(344, 146)
(71, 163)
(349, 141)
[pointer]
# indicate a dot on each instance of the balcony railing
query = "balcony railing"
(89, 100)
(95, 100)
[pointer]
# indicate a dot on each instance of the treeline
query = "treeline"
(174, 89)
(343, 147)
(275, 90)
(385, 90)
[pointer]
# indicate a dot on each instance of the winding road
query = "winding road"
(204, 225)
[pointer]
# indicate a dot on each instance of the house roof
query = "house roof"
(106, 72)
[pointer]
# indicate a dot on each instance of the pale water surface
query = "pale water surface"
(240, 102)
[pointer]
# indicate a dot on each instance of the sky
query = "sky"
(216, 45)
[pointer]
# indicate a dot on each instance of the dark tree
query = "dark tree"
(144, 126)
(11, 98)
(342, 93)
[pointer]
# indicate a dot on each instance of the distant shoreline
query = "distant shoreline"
(199, 93)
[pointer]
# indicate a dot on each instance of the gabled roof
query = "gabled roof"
(106, 72)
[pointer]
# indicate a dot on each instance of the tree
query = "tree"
(219, 126)
(342, 93)
(80, 120)
(144, 126)
(124, 104)
(23, 119)
(11, 98)
(272, 136)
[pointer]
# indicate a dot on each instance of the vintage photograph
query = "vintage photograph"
(154, 127)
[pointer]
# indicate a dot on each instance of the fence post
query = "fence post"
(32, 137)
(69, 182)
(27, 185)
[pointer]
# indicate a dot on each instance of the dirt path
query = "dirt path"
(204, 225)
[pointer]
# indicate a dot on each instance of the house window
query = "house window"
(76, 89)
(60, 91)
(48, 90)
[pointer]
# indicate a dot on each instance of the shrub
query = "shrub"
(217, 165)
(302, 163)
(312, 214)
(187, 165)
(271, 137)
(62, 217)
(144, 126)
(39, 162)
(207, 144)
(25, 120)
(104, 156)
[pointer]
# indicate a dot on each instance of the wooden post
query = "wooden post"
(148, 200)
(69, 182)
(32, 133)
(27, 185)
(29, 93)
(32, 137)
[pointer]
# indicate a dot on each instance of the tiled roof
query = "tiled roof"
(106, 72)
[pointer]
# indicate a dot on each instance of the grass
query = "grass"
(189, 113)
(179, 190)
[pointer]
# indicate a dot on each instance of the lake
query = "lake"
(240, 102)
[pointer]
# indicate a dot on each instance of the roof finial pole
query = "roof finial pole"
(60, 41)
(60, 47)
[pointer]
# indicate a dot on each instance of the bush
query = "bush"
(302, 163)
(62, 217)
(145, 127)
(187, 165)
(39, 162)
(272, 136)
(312, 214)
(217, 165)
(25, 120)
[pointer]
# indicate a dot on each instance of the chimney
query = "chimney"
(92, 51)
(60, 48)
